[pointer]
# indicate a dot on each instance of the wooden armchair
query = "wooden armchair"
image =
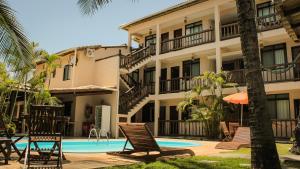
(45, 125)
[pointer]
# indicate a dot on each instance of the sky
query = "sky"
(59, 24)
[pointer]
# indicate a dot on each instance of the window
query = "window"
(54, 73)
(191, 68)
(149, 76)
(150, 40)
(278, 105)
(193, 28)
(265, 9)
(67, 72)
(274, 55)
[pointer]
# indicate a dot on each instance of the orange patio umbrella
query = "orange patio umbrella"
(238, 98)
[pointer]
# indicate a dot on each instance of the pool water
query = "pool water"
(93, 146)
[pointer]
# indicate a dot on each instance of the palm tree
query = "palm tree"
(11, 35)
(51, 64)
(89, 7)
(263, 149)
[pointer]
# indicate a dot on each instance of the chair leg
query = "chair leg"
(61, 155)
(26, 154)
(95, 132)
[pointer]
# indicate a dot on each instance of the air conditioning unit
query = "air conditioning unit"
(73, 60)
(90, 52)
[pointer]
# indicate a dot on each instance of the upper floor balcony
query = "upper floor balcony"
(264, 23)
(271, 74)
(195, 36)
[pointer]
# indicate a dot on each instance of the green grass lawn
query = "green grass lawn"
(283, 149)
(196, 162)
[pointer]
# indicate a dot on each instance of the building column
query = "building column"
(157, 39)
(218, 60)
(217, 39)
(157, 76)
(129, 42)
(156, 116)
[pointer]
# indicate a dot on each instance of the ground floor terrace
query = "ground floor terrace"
(204, 151)
(283, 106)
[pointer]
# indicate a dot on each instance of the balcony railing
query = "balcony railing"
(182, 128)
(282, 129)
(187, 41)
(230, 31)
(264, 23)
(137, 56)
(271, 74)
(174, 85)
(268, 22)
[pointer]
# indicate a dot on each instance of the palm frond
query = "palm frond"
(11, 35)
(89, 7)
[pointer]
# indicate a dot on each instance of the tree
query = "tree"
(207, 92)
(51, 65)
(12, 36)
(90, 7)
(263, 149)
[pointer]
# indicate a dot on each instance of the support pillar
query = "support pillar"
(156, 116)
(217, 39)
(157, 76)
(157, 39)
(129, 42)
(218, 60)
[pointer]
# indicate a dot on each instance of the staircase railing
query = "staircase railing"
(137, 56)
(129, 80)
(131, 98)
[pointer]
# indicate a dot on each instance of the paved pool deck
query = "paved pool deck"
(98, 160)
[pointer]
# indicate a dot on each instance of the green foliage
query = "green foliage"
(197, 162)
(12, 36)
(207, 92)
(9, 125)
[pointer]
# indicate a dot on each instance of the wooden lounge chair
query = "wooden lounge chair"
(224, 129)
(142, 140)
(240, 139)
(44, 126)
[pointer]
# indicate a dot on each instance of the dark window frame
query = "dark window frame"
(265, 5)
(192, 26)
(149, 70)
(190, 63)
(67, 72)
(273, 48)
(150, 37)
(275, 98)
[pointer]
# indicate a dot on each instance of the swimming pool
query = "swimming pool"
(93, 146)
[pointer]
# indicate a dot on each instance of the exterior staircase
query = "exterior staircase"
(137, 59)
(129, 81)
(134, 99)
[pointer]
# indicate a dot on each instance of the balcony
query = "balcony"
(205, 36)
(180, 84)
(270, 74)
(264, 23)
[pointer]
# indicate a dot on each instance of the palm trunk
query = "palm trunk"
(263, 149)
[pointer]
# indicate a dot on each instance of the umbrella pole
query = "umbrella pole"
(242, 115)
